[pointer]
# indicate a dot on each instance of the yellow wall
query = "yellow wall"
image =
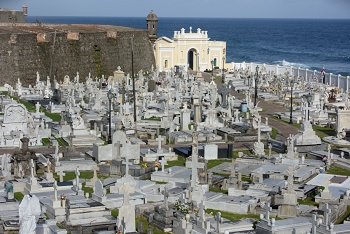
(175, 51)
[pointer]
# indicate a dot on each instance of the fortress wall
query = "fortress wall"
(23, 53)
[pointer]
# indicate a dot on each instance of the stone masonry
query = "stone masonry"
(26, 48)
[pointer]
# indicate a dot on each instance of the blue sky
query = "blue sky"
(187, 8)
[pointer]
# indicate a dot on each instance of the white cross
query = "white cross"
(326, 213)
(159, 139)
(77, 174)
(55, 190)
(31, 168)
(61, 174)
(267, 209)
(163, 162)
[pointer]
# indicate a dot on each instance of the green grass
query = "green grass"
(320, 131)
(274, 133)
(246, 178)
(308, 201)
(87, 189)
(70, 175)
(181, 161)
(247, 152)
(146, 225)
(338, 171)
(138, 219)
(62, 142)
(153, 119)
(5, 93)
(221, 174)
(217, 190)
(45, 141)
(115, 213)
(216, 162)
(19, 196)
(232, 216)
(344, 216)
(31, 108)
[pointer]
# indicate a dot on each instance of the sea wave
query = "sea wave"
(288, 64)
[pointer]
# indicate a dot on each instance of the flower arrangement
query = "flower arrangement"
(157, 164)
(63, 197)
(182, 207)
(144, 165)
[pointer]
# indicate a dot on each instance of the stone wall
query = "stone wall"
(10, 16)
(98, 49)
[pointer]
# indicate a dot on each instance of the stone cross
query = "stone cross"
(218, 219)
(233, 167)
(159, 139)
(201, 212)
(126, 191)
(314, 223)
(326, 211)
(261, 176)
(224, 91)
(55, 190)
(48, 165)
(259, 128)
(118, 145)
(290, 174)
(61, 174)
(37, 107)
(163, 162)
(329, 152)
(326, 183)
(270, 148)
(166, 195)
(31, 168)
(267, 209)
(127, 163)
(77, 174)
(194, 159)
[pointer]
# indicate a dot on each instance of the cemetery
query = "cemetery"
(252, 148)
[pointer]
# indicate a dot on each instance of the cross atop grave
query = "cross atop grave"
(118, 145)
(126, 190)
(61, 174)
(270, 149)
(77, 174)
(326, 211)
(194, 159)
(127, 164)
(218, 220)
(31, 168)
(314, 224)
(326, 183)
(201, 212)
(159, 139)
(290, 173)
(267, 209)
(118, 68)
(55, 190)
(48, 164)
(166, 195)
(163, 162)
(233, 167)
(261, 175)
(224, 91)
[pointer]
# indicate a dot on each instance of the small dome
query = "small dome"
(152, 16)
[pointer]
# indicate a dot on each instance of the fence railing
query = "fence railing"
(342, 82)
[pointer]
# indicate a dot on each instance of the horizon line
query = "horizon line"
(189, 17)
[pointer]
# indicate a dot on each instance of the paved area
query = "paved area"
(284, 129)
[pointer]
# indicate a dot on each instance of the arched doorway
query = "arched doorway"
(192, 59)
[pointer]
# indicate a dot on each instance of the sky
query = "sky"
(327, 9)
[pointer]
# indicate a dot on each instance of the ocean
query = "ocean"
(304, 43)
